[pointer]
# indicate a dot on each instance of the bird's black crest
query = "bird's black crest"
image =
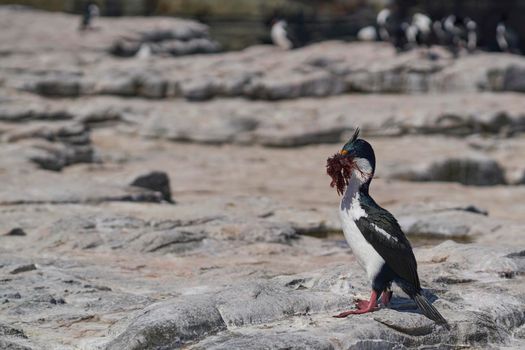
(355, 136)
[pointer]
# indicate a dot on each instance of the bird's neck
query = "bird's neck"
(356, 190)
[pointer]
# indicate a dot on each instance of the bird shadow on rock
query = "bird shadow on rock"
(405, 304)
(404, 316)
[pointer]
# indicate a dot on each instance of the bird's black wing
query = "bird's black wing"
(382, 231)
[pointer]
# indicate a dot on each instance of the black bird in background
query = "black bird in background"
(90, 11)
(507, 38)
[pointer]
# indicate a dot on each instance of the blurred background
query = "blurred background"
(163, 170)
(237, 24)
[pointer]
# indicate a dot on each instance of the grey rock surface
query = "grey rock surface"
(284, 124)
(278, 75)
(282, 307)
(24, 29)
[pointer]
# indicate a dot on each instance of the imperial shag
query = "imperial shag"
(506, 38)
(280, 35)
(91, 11)
(373, 234)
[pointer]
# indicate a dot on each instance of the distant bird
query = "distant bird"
(418, 32)
(399, 37)
(506, 38)
(376, 32)
(374, 235)
(368, 33)
(411, 33)
(280, 35)
(423, 24)
(460, 34)
(382, 24)
(456, 33)
(439, 32)
(91, 11)
(452, 30)
(472, 34)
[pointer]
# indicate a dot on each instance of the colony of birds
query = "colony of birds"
(457, 33)
(454, 32)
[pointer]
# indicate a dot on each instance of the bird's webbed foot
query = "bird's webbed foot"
(361, 304)
(363, 307)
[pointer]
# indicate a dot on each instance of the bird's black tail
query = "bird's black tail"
(430, 311)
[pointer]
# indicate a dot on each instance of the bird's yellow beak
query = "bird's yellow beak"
(343, 152)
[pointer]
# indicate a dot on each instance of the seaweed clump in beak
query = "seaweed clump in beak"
(339, 167)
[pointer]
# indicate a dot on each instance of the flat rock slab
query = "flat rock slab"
(283, 124)
(28, 31)
(40, 187)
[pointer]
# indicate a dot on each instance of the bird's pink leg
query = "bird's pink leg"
(386, 297)
(363, 306)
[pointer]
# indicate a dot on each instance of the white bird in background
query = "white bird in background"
(411, 32)
(451, 29)
(94, 11)
(472, 34)
(381, 19)
(90, 12)
(422, 22)
(280, 36)
(367, 33)
(500, 37)
(506, 38)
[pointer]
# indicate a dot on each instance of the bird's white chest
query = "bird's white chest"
(279, 37)
(500, 37)
(366, 255)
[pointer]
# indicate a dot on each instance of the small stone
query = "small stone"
(23, 268)
(13, 295)
(57, 301)
(17, 231)
(156, 181)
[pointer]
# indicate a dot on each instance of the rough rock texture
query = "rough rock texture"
(283, 124)
(211, 224)
(319, 70)
(265, 73)
(284, 304)
(42, 35)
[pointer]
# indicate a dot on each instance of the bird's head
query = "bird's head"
(355, 161)
(279, 22)
(93, 10)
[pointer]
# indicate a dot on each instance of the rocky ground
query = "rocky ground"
(183, 202)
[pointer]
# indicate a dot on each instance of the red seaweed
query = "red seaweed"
(339, 168)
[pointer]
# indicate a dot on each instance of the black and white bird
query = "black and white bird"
(90, 12)
(453, 32)
(374, 235)
(423, 27)
(281, 36)
(368, 33)
(506, 38)
(379, 31)
(382, 24)
(472, 34)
